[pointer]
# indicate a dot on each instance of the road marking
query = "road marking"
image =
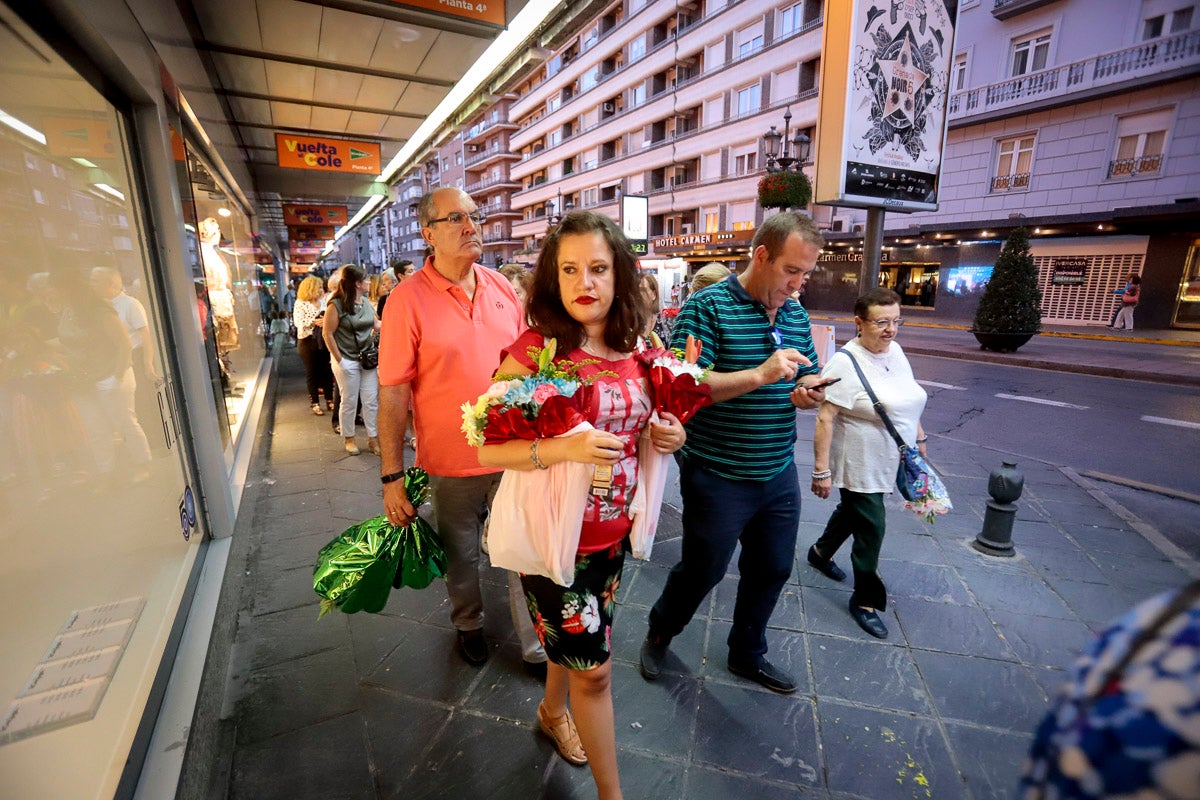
(1040, 401)
(1179, 423)
(937, 385)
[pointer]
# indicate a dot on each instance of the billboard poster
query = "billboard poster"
(327, 155)
(884, 86)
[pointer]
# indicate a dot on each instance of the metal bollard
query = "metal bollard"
(1004, 485)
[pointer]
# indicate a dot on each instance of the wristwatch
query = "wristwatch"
(391, 477)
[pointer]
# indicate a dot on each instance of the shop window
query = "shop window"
(1140, 143)
(1014, 160)
(92, 477)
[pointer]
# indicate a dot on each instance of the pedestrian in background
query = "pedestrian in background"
(308, 315)
(708, 275)
(738, 471)
(349, 328)
(584, 296)
(1129, 301)
(853, 450)
(440, 344)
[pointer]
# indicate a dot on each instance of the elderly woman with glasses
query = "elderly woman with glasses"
(853, 450)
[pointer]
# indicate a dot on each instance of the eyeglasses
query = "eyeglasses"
(884, 324)
(458, 218)
(774, 337)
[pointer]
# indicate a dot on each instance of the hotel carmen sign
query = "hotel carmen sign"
(701, 241)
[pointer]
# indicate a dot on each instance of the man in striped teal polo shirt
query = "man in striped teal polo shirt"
(737, 474)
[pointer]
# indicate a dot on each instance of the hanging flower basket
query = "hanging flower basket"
(784, 190)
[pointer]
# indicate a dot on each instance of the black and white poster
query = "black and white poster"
(884, 87)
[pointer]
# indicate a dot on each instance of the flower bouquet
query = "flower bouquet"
(357, 570)
(536, 514)
(676, 384)
(922, 489)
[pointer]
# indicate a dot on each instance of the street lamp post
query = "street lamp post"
(558, 214)
(779, 157)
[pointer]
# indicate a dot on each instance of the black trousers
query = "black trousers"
(862, 517)
(317, 372)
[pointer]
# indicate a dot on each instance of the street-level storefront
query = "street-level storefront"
(1187, 304)
(131, 360)
(694, 250)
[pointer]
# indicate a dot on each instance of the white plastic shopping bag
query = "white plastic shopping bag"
(536, 518)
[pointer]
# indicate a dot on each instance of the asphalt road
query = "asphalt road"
(1144, 432)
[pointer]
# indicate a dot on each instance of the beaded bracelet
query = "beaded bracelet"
(533, 455)
(823, 475)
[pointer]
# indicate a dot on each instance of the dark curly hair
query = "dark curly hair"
(627, 315)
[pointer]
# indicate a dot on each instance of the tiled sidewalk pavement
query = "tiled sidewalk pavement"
(381, 706)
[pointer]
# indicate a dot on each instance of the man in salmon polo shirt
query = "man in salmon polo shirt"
(439, 345)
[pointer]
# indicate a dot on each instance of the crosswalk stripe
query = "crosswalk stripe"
(937, 385)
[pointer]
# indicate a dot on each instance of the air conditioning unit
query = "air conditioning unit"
(608, 107)
(685, 228)
(858, 228)
(472, 148)
(839, 224)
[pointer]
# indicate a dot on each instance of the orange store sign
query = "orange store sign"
(491, 11)
(327, 155)
(296, 214)
(74, 137)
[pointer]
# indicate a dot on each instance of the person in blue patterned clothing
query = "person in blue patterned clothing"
(737, 472)
(1127, 724)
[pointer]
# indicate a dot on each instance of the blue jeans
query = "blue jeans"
(717, 514)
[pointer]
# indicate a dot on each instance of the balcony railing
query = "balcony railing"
(1140, 61)
(489, 154)
(489, 182)
(1006, 183)
(1003, 9)
(1130, 167)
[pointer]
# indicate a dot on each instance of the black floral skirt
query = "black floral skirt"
(574, 623)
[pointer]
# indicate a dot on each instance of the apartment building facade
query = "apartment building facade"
(1079, 120)
(669, 101)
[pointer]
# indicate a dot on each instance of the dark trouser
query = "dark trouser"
(717, 514)
(860, 516)
(317, 372)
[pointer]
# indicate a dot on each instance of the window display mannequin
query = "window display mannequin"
(220, 287)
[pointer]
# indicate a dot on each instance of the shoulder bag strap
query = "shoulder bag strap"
(887, 422)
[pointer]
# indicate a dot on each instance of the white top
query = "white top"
(133, 317)
(863, 456)
(304, 314)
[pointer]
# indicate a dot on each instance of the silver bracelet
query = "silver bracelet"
(823, 475)
(533, 455)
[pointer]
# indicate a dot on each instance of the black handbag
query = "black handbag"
(914, 473)
(368, 355)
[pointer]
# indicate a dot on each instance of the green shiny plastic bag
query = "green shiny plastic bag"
(357, 570)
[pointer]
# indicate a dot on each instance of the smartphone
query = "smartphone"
(824, 383)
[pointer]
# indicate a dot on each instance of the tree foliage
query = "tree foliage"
(1012, 301)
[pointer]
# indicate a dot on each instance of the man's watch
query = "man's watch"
(391, 477)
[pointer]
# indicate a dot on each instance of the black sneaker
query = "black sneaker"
(654, 652)
(765, 674)
(472, 647)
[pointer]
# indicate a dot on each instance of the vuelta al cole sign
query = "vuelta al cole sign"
(327, 155)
